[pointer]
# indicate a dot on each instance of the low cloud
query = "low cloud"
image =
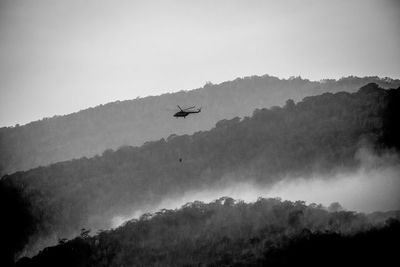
(374, 186)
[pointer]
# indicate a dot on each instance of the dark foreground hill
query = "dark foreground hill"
(133, 122)
(317, 135)
(226, 232)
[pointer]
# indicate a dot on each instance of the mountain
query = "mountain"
(133, 122)
(320, 134)
(268, 232)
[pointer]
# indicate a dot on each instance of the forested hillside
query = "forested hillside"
(319, 134)
(134, 122)
(226, 232)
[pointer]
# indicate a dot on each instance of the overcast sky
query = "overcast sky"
(57, 57)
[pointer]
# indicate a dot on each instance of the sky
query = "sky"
(59, 57)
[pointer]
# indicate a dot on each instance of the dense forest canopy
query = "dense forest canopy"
(319, 134)
(133, 122)
(227, 232)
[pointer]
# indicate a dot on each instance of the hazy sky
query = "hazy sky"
(58, 57)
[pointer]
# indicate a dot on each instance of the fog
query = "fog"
(374, 186)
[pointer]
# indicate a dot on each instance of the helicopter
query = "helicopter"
(185, 112)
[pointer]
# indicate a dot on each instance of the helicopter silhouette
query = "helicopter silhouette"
(185, 112)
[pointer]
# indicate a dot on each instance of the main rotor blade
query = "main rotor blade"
(180, 108)
(189, 108)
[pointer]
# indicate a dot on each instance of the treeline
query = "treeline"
(319, 134)
(133, 122)
(268, 232)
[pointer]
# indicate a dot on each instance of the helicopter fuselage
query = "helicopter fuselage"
(185, 113)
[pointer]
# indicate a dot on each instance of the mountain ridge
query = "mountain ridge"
(132, 122)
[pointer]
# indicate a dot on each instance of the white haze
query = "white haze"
(373, 187)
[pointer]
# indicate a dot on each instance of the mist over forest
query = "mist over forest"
(228, 232)
(334, 145)
(134, 122)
